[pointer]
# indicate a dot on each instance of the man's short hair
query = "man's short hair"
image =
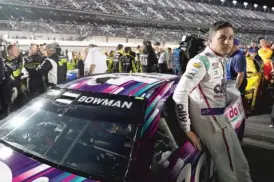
(51, 47)
(157, 44)
(120, 46)
(261, 38)
(10, 47)
(219, 25)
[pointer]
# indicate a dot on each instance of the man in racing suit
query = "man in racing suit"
(126, 62)
(200, 99)
(118, 54)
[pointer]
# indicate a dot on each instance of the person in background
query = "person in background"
(72, 60)
(80, 65)
(236, 67)
(133, 54)
(110, 62)
(169, 61)
(95, 61)
(118, 54)
(162, 61)
(265, 52)
(49, 68)
(137, 59)
(13, 66)
(157, 49)
(6, 86)
(148, 59)
(35, 83)
(126, 62)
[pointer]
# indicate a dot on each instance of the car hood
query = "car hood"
(17, 167)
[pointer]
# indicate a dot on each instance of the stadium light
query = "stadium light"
(264, 7)
(222, 2)
(272, 8)
(255, 6)
(245, 4)
(234, 3)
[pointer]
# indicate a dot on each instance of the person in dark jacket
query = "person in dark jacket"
(148, 59)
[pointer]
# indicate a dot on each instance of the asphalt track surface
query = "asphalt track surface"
(258, 146)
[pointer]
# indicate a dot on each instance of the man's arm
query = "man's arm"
(91, 69)
(240, 68)
(195, 72)
(193, 75)
(239, 79)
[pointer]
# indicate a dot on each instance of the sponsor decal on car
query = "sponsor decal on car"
(105, 102)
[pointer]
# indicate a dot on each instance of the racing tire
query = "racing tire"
(185, 174)
(202, 169)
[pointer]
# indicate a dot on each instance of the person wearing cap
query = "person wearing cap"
(236, 67)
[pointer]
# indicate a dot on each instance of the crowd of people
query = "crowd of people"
(185, 11)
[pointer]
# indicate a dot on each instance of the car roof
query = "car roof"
(120, 83)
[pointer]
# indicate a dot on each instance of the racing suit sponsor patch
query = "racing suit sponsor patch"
(197, 65)
(181, 113)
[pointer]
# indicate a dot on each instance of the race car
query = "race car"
(107, 128)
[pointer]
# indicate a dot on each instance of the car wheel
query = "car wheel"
(185, 174)
(201, 169)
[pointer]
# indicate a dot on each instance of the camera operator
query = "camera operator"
(35, 82)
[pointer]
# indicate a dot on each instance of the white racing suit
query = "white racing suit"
(201, 98)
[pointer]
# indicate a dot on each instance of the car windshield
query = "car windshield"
(90, 146)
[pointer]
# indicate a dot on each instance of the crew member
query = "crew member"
(110, 62)
(148, 59)
(126, 62)
(201, 94)
(13, 66)
(49, 67)
(35, 83)
(118, 54)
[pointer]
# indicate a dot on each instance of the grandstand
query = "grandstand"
(165, 20)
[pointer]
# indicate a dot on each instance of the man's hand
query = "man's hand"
(195, 140)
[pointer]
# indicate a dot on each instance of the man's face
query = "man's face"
(33, 50)
(50, 52)
(253, 44)
(263, 43)
(222, 41)
(14, 52)
(42, 50)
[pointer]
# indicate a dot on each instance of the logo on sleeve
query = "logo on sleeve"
(197, 65)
